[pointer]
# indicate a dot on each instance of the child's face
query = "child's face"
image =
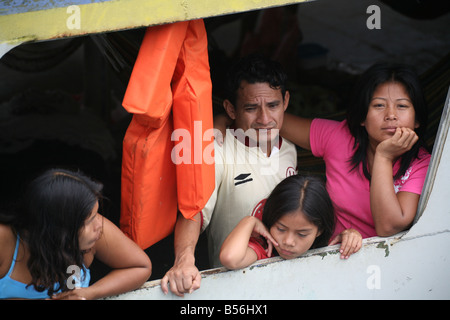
(390, 107)
(91, 231)
(294, 234)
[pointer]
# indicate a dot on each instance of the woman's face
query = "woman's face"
(294, 233)
(92, 229)
(390, 108)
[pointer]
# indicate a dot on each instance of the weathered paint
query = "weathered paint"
(26, 20)
(412, 270)
(413, 264)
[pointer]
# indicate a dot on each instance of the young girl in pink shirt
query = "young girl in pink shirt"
(298, 215)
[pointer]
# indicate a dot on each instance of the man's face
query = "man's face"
(258, 107)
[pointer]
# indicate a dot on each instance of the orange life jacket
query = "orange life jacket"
(169, 89)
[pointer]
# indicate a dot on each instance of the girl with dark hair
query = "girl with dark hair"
(376, 160)
(298, 215)
(48, 245)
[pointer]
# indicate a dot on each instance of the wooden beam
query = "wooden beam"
(45, 19)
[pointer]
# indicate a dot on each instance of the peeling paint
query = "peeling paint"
(323, 254)
(258, 265)
(210, 272)
(185, 5)
(385, 246)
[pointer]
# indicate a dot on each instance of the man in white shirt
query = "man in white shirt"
(251, 162)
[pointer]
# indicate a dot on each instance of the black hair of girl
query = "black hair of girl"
(55, 207)
(362, 94)
(255, 68)
(308, 194)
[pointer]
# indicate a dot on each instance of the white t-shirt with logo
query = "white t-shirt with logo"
(244, 176)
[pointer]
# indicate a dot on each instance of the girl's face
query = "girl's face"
(92, 230)
(390, 107)
(294, 233)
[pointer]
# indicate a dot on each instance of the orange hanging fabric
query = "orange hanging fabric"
(170, 96)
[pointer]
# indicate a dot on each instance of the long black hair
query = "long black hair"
(362, 94)
(49, 219)
(308, 194)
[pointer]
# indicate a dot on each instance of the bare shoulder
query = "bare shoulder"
(7, 246)
(7, 235)
(112, 237)
(109, 228)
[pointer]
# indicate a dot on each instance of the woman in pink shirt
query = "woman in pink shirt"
(376, 160)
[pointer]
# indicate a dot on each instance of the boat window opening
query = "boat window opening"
(436, 155)
(119, 49)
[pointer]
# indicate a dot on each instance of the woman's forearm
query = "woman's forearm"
(118, 281)
(387, 212)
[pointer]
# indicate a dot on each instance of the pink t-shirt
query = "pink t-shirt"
(349, 190)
